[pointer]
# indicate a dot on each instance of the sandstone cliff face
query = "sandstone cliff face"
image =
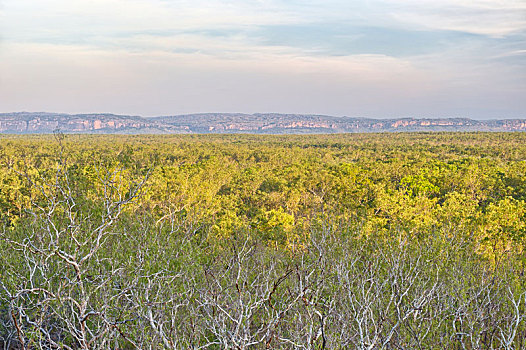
(293, 123)
(23, 123)
(26, 123)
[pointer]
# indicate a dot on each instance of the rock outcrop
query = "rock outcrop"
(270, 123)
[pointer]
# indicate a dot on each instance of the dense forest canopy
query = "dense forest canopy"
(280, 185)
(305, 207)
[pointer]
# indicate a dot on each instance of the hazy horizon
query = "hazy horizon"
(264, 113)
(371, 59)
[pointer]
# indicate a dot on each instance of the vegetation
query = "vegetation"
(377, 241)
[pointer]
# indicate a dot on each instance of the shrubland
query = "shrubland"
(369, 241)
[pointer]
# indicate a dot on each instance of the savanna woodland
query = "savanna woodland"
(355, 241)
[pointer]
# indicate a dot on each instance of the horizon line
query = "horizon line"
(260, 114)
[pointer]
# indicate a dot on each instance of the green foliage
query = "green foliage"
(310, 224)
(279, 185)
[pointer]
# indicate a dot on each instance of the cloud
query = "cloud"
(485, 17)
(329, 27)
(78, 79)
(369, 57)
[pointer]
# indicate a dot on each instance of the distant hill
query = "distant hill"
(270, 123)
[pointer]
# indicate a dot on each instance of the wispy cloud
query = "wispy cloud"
(333, 27)
(330, 56)
(491, 18)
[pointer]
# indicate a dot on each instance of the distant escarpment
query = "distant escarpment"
(37, 123)
(270, 123)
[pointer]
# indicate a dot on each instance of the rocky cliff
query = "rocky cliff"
(270, 123)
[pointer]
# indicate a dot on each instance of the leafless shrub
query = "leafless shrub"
(92, 276)
(65, 289)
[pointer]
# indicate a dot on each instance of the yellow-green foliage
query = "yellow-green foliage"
(390, 185)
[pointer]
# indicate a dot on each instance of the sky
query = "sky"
(368, 58)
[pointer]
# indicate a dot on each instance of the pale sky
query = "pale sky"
(370, 58)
